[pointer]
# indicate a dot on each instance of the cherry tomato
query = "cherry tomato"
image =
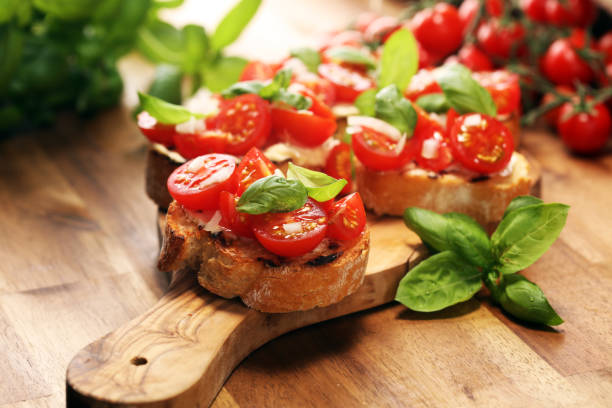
(349, 38)
(154, 131)
(364, 19)
(197, 184)
(422, 83)
(191, 145)
(584, 132)
(476, 60)
(481, 143)
(468, 9)
(451, 117)
(347, 218)
(504, 89)
(257, 70)
(562, 65)
(348, 84)
(431, 147)
(320, 87)
(500, 40)
(426, 58)
(292, 233)
(535, 9)
(305, 128)
(438, 29)
(237, 222)
(377, 151)
(380, 29)
(254, 165)
(338, 165)
(604, 45)
(552, 116)
(247, 121)
(579, 13)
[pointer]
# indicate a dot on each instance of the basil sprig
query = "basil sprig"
(278, 194)
(462, 92)
(165, 112)
(309, 56)
(272, 91)
(467, 258)
(434, 102)
(351, 55)
(399, 60)
(389, 105)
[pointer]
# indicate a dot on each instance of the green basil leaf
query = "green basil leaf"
(272, 194)
(309, 56)
(521, 201)
(195, 48)
(526, 233)
(399, 61)
(393, 108)
(351, 55)
(67, 10)
(281, 80)
(525, 300)
(223, 72)
(161, 42)
(244, 87)
(165, 112)
(429, 226)
(298, 101)
(366, 102)
(435, 102)
(440, 281)
(167, 83)
(464, 93)
(233, 23)
(320, 186)
(468, 239)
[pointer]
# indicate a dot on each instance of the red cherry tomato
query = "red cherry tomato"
(348, 84)
(579, 13)
(380, 29)
(347, 218)
(349, 38)
(438, 29)
(469, 8)
(604, 45)
(254, 165)
(451, 116)
(154, 131)
(476, 60)
(292, 233)
(237, 222)
(320, 87)
(562, 65)
(197, 184)
(534, 9)
(426, 58)
(191, 145)
(481, 143)
(431, 147)
(422, 83)
(504, 89)
(246, 119)
(257, 70)
(364, 19)
(338, 165)
(552, 116)
(500, 41)
(377, 151)
(305, 128)
(584, 132)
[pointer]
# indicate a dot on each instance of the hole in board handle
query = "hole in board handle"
(138, 361)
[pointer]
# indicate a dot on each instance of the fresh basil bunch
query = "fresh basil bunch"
(466, 257)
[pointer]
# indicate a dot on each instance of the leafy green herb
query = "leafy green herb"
(351, 55)
(165, 112)
(440, 281)
(400, 60)
(463, 93)
(167, 83)
(272, 194)
(366, 102)
(393, 108)
(434, 102)
(468, 257)
(233, 23)
(223, 72)
(309, 56)
(526, 233)
(320, 186)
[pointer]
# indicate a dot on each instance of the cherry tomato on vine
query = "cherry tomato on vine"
(584, 132)
(292, 233)
(562, 65)
(198, 183)
(469, 8)
(438, 29)
(338, 165)
(579, 13)
(347, 218)
(604, 45)
(246, 120)
(552, 116)
(501, 40)
(535, 9)
(481, 143)
(154, 131)
(348, 84)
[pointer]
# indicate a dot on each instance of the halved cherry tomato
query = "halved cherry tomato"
(257, 70)
(350, 38)
(292, 233)
(306, 128)
(476, 60)
(377, 151)
(237, 222)
(481, 143)
(504, 89)
(247, 121)
(197, 184)
(347, 83)
(438, 28)
(431, 147)
(347, 218)
(320, 87)
(338, 165)
(422, 83)
(254, 165)
(154, 131)
(501, 40)
(191, 145)
(451, 117)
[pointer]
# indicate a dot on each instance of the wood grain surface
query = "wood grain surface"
(78, 246)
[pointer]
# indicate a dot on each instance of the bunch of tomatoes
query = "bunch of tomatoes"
(565, 68)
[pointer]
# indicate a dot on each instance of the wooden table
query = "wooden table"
(78, 246)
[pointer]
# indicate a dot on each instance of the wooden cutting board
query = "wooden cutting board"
(179, 353)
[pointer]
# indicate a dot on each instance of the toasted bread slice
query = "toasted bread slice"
(229, 266)
(484, 198)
